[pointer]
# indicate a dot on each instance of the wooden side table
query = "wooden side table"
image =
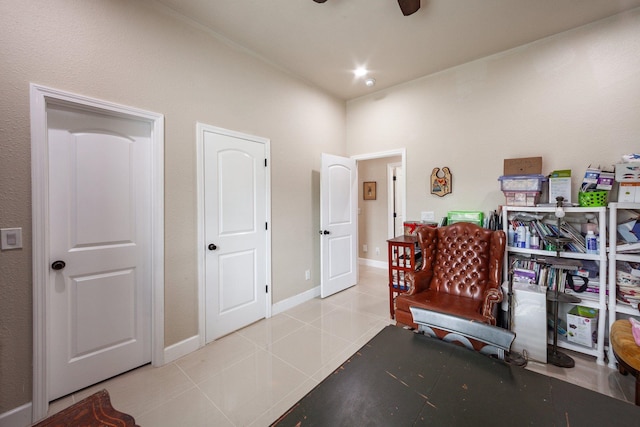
(403, 258)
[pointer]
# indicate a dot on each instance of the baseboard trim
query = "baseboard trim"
(182, 348)
(295, 300)
(17, 417)
(372, 263)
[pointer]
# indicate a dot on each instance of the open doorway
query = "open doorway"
(380, 217)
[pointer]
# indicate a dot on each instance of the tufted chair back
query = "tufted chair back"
(462, 258)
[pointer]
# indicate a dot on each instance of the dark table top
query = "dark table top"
(401, 378)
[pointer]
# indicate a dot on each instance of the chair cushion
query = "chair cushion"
(443, 302)
(624, 345)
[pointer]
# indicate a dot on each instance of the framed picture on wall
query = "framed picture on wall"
(369, 190)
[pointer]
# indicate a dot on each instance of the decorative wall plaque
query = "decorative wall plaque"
(441, 181)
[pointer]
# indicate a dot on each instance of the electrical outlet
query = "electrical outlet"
(365, 248)
(307, 275)
(377, 251)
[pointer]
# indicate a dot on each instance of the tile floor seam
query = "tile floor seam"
(215, 406)
(185, 374)
(282, 399)
(153, 408)
(289, 364)
(237, 361)
(284, 336)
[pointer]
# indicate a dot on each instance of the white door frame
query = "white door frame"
(402, 152)
(200, 129)
(41, 97)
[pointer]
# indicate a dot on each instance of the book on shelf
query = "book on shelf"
(628, 247)
(523, 275)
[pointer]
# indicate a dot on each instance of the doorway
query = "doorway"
(375, 219)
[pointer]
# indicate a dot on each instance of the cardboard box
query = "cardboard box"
(582, 324)
(629, 192)
(560, 185)
(523, 166)
(410, 227)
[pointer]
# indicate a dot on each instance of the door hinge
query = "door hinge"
(395, 215)
(265, 163)
(266, 225)
(266, 289)
(395, 178)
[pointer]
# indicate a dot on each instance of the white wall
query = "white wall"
(573, 99)
(137, 53)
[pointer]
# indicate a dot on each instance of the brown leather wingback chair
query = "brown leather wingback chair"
(460, 274)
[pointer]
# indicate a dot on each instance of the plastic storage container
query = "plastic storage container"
(522, 190)
(521, 182)
(474, 217)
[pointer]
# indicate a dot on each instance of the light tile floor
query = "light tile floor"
(251, 377)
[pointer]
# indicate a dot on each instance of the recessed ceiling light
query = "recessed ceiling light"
(360, 72)
(370, 82)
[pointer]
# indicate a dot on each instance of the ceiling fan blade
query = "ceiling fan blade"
(408, 7)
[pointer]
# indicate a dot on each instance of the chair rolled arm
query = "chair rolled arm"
(491, 297)
(418, 281)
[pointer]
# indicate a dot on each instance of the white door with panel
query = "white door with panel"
(99, 306)
(235, 229)
(338, 223)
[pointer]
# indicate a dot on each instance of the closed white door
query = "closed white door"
(99, 307)
(235, 229)
(338, 222)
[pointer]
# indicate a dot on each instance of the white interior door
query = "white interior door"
(235, 229)
(99, 307)
(338, 222)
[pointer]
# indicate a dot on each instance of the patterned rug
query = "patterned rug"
(94, 411)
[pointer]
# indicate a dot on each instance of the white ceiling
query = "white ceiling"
(323, 43)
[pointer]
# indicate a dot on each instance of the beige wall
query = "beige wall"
(573, 99)
(135, 53)
(373, 214)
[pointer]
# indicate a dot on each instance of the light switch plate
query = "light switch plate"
(10, 238)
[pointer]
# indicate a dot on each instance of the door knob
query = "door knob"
(325, 232)
(212, 247)
(58, 265)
